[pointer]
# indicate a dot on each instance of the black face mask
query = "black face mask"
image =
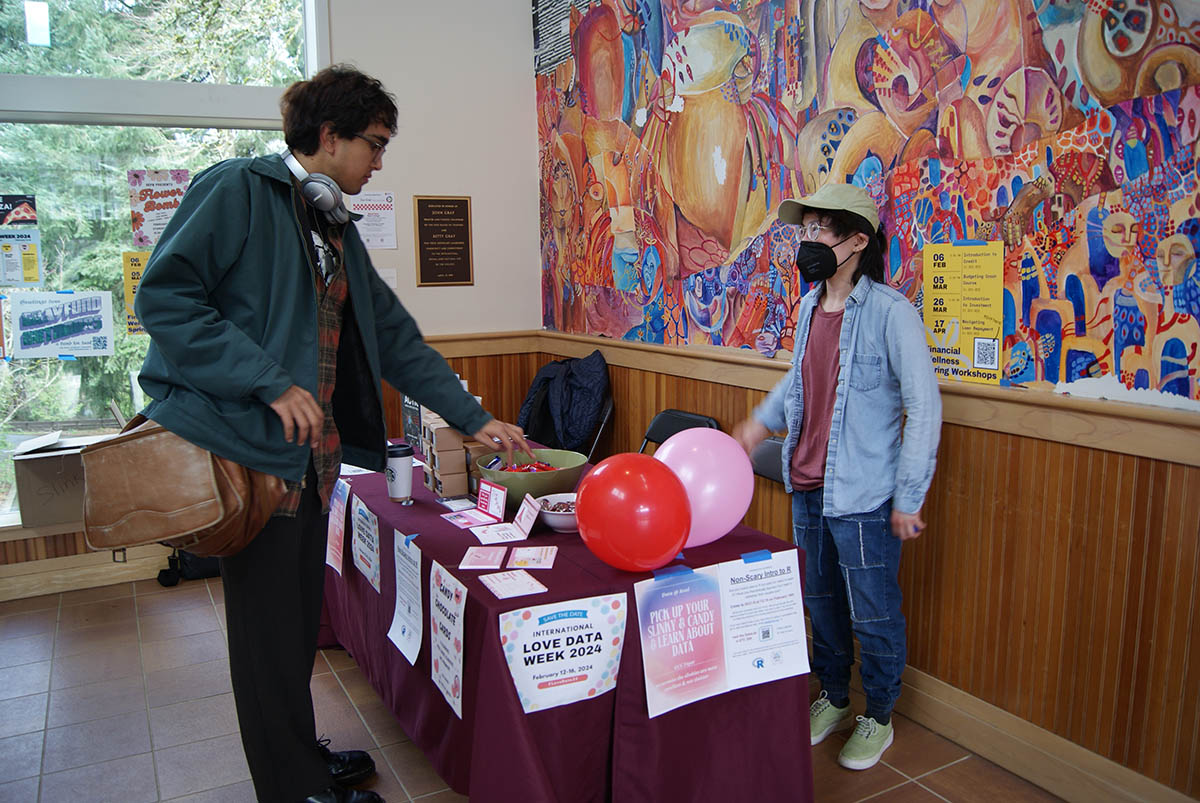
(817, 261)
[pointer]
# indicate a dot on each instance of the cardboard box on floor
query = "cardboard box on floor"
(49, 478)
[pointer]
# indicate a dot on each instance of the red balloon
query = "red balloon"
(633, 512)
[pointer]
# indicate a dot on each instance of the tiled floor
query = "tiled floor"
(122, 694)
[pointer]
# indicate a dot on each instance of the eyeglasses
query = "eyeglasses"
(812, 231)
(377, 147)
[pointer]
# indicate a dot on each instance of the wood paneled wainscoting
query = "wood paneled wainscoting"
(1053, 604)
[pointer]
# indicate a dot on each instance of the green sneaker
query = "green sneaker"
(866, 745)
(824, 718)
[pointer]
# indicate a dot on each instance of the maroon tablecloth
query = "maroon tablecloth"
(748, 744)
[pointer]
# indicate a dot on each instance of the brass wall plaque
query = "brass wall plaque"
(442, 232)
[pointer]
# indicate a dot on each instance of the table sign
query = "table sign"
(337, 525)
(366, 541)
(564, 652)
(483, 557)
(489, 507)
(407, 617)
(516, 530)
(532, 557)
(516, 583)
(709, 630)
(447, 601)
(442, 235)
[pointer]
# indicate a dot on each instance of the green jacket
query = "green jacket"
(228, 299)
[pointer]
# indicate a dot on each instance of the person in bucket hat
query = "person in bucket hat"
(862, 417)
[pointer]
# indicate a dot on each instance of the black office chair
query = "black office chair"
(767, 459)
(668, 422)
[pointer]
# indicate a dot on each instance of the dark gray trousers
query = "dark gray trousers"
(274, 589)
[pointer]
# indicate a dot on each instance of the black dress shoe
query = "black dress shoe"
(347, 767)
(340, 794)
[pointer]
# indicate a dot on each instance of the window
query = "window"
(166, 84)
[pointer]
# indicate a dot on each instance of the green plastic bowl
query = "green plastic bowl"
(569, 467)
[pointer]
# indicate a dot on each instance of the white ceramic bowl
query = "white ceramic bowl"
(559, 522)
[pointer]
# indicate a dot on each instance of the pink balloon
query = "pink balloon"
(716, 473)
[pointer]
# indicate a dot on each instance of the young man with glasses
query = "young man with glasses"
(861, 378)
(270, 332)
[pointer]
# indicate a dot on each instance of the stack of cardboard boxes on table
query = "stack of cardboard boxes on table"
(450, 468)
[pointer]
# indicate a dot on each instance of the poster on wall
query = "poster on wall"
(564, 652)
(442, 233)
(65, 324)
(133, 263)
(709, 630)
(154, 196)
(20, 242)
(377, 227)
(447, 603)
(964, 313)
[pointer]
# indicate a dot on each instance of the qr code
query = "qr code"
(987, 353)
(100, 342)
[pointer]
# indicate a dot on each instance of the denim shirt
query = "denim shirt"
(885, 375)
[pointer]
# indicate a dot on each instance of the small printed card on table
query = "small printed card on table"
(516, 530)
(483, 557)
(516, 583)
(489, 507)
(532, 557)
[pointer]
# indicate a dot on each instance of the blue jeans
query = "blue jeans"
(851, 590)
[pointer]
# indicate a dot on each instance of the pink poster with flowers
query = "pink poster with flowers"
(154, 196)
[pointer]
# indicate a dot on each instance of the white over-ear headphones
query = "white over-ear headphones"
(319, 190)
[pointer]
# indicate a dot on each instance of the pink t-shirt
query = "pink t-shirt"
(819, 374)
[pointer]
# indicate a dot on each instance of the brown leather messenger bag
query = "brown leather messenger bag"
(148, 485)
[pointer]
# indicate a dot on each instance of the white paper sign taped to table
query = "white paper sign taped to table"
(408, 616)
(447, 602)
(564, 652)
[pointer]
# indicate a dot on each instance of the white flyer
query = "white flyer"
(377, 228)
(763, 618)
(408, 617)
(708, 630)
(366, 541)
(564, 652)
(336, 537)
(516, 583)
(447, 602)
(20, 256)
(65, 324)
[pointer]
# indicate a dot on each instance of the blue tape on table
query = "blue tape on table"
(66, 356)
(408, 538)
(757, 555)
(671, 571)
(65, 292)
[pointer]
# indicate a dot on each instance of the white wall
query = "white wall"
(462, 74)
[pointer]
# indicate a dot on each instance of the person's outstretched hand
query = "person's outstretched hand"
(502, 436)
(750, 433)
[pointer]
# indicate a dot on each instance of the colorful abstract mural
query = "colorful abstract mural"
(669, 130)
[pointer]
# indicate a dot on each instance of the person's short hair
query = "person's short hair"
(843, 223)
(340, 95)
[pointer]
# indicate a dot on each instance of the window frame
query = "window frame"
(70, 100)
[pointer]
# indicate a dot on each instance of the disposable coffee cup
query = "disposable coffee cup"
(399, 472)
